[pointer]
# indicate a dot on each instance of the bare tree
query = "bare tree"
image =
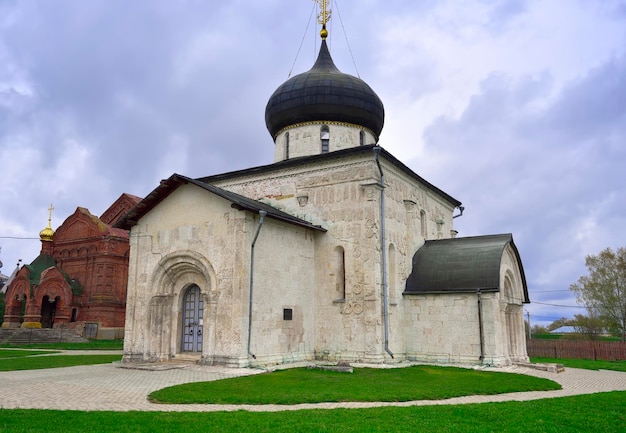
(603, 291)
(538, 330)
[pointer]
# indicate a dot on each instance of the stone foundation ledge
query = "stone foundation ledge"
(550, 368)
(31, 325)
(342, 367)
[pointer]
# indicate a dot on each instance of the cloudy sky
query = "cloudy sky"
(516, 108)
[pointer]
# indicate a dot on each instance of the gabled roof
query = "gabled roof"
(330, 156)
(97, 227)
(119, 207)
(460, 265)
(238, 201)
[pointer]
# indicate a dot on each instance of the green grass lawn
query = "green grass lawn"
(56, 361)
(587, 364)
(12, 353)
(548, 336)
(604, 412)
(573, 337)
(301, 385)
(90, 345)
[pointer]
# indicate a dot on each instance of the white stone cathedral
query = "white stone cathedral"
(337, 251)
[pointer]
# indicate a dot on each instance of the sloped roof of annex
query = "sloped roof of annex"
(462, 265)
(169, 185)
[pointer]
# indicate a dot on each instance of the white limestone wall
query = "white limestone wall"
(284, 278)
(511, 298)
(447, 327)
(195, 237)
(344, 197)
(505, 339)
(191, 237)
(413, 215)
(305, 139)
(494, 340)
(441, 328)
(338, 197)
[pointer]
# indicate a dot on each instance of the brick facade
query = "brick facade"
(79, 277)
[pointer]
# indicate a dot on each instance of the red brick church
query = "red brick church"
(79, 278)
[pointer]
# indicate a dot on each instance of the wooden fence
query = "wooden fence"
(572, 349)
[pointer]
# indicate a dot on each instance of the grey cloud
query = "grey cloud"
(146, 89)
(549, 170)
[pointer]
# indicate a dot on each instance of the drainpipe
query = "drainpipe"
(480, 327)
(262, 213)
(383, 250)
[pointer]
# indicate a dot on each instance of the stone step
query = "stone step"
(21, 336)
(551, 368)
(189, 358)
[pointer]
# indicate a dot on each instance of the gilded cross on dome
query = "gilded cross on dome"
(50, 209)
(324, 16)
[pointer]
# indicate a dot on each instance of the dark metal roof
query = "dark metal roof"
(44, 262)
(324, 93)
(40, 264)
(461, 265)
(240, 202)
(330, 156)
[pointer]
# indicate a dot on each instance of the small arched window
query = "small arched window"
(339, 271)
(286, 145)
(423, 223)
(361, 138)
(325, 138)
(391, 286)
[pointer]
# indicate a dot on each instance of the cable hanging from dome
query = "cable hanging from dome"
(302, 41)
(323, 17)
(346, 36)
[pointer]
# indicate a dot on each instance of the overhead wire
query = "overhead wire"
(549, 291)
(302, 41)
(558, 305)
(16, 237)
(336, 3)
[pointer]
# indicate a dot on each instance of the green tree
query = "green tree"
(563, 321)
(603, 291)
(590, 326)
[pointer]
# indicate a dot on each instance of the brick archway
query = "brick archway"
(56, 291)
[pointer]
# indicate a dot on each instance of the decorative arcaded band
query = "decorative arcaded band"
(323, 122)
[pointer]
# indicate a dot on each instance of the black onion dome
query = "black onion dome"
(324, 93)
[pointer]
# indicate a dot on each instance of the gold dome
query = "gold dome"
(47, 234)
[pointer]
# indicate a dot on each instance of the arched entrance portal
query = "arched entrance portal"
(193, 309)
(514, 322)
(48, 310)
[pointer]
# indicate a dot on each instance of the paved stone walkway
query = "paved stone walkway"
(110, 387)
